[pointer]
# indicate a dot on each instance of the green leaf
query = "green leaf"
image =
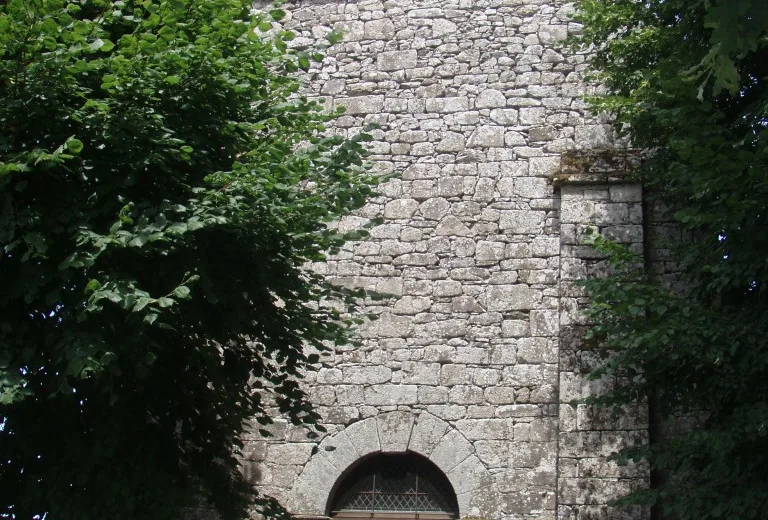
(74, 145)
(93, 285)
(182, 292)
(164, 303)
(107, 46)
(334, 37)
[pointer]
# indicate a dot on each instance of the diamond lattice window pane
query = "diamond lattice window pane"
(396, 483)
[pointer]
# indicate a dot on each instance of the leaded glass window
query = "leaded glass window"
(396, 483)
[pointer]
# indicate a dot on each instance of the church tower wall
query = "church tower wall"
(474, 360)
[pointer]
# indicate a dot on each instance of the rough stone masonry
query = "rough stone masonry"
(475, 360)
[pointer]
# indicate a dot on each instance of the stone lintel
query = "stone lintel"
(595, 167)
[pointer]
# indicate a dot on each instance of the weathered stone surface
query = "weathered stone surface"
(297, 453)
(427, 432)
(511, 297)
(305, 495)
(443, 28)
(339, 451)
(396, 60)
(387, 326)
(522, 222)
(382, 29)
(451, 142)
(357, 375)
(452, 449)
(490, 98)
(395, 430)
(362, 104)
(388, 395)
(469, 475)
(435, 208)
(486, 137)
(364, 436)
(447, 105)
(452, 226)
(412, 305)
(401, 208)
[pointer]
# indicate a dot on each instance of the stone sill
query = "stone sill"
(592, 179)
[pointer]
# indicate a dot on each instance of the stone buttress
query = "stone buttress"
(474, 362)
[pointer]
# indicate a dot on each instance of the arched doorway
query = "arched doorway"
(394, 486)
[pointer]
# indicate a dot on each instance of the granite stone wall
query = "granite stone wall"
(475, 358)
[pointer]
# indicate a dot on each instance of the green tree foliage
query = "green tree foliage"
(162, 186)
(688, 81)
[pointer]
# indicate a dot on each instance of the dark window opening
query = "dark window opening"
(395, 483)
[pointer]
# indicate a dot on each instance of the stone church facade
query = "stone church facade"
(474, 362)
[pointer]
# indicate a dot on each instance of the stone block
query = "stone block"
(489, 253)
(450, 451)
(487, 137)
(493, 453)
(453, 227)
(388, 325)
(390, 395)
(450, 328)
(339, 451)
(487, 429)
(442, 27)
(400, 208)
(522, 222)
(544, 323)
(293, 453)
(381, 29)
(486, 377)
(511, 297)
(532, 187)
(362, 104)
(532, 116)
(448, 412)
(451, 142)
(394, 431)
(500, 395)
(396, 60)
(416, 259)
(454, 374)
(528, 375)
(469, 475)
(435, 208)
(490, 98)
(447, 105)
(304, 496)
(362, 375)
(427, 432)
(531, 454)
(421, 171)
(450, 186)
(465, 394)
(443, 288)
(420, 373)
(504, 116)
(412, 305)
(432, 394)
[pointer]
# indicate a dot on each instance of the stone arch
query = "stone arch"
(391, 432)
